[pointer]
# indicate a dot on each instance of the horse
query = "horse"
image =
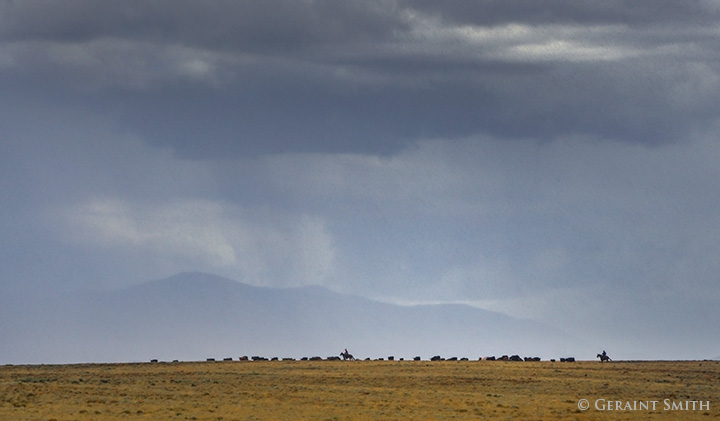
(347, 356)
(603, 357)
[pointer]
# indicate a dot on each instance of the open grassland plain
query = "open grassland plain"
(329, 390)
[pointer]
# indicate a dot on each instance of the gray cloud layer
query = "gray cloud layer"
(372, 76)
(541, 159)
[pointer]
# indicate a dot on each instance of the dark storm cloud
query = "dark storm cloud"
(265, 25)
(255, 25)
(232, 78)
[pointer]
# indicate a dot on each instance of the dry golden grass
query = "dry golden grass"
(281, 390)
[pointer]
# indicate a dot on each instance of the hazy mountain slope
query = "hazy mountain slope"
(193, 316)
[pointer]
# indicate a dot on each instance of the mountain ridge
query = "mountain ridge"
(193, 316)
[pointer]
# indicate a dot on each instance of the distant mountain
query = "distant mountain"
(193, 316)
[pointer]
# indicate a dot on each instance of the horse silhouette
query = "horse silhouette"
(603, 357)
(347, 356)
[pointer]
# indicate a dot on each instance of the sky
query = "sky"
(555, 160)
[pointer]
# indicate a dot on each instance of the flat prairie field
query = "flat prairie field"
(330, 390)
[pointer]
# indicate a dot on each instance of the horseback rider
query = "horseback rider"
(603, 357)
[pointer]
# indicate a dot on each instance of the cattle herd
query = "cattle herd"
(390, 358)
